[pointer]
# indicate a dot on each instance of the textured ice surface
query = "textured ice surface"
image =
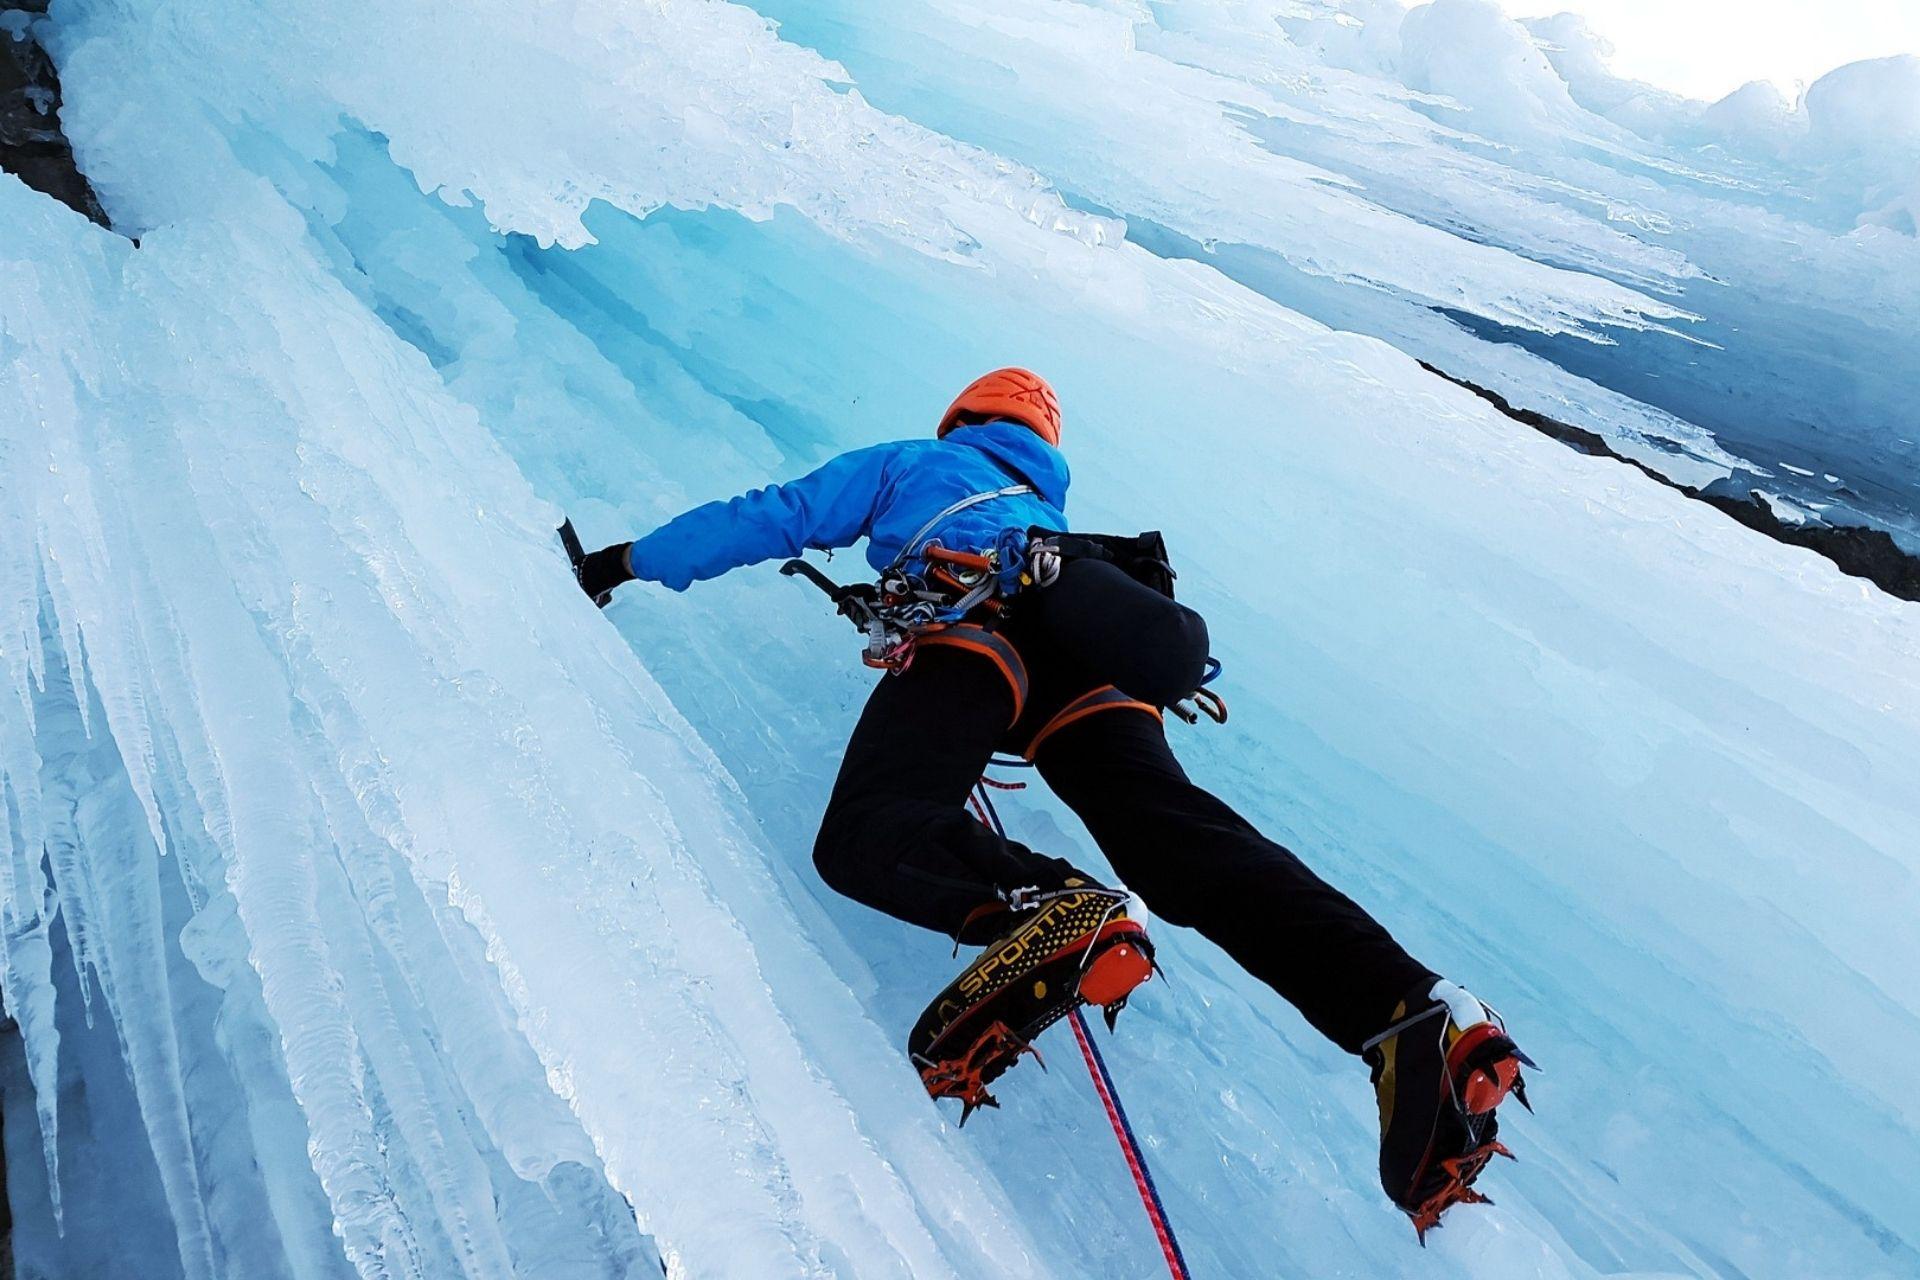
(379, 909)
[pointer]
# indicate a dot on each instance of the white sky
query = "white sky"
(1708, 48)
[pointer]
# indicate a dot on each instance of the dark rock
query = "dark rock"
(32, 147)
(1871, 554)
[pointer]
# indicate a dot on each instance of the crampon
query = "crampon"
(1457, 1186)
(1483, 1068)
(1076, 947)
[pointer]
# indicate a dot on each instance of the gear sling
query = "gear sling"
(967, 593)
(897, 609)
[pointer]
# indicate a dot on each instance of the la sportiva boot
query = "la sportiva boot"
(1439, 1071)
(1079, 944)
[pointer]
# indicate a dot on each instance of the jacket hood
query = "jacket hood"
(1020, 450)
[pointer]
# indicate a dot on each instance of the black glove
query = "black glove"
(599, 572)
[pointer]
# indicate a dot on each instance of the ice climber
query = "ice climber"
(1001, 632)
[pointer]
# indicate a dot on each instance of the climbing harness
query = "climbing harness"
(902, 609)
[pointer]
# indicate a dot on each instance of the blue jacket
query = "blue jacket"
(885, 494)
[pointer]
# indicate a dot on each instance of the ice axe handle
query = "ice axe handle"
(800, 568)
(851, 604)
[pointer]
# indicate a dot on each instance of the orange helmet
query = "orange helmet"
(1014, 394)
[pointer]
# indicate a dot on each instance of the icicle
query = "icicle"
(30, 1000)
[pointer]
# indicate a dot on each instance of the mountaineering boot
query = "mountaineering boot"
(1059, 948)
(598, 572)
(1439, 1069)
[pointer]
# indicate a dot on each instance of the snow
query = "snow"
(379, 909)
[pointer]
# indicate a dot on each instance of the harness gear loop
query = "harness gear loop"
(1201, 702)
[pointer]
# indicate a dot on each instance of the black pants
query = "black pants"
(897, 836)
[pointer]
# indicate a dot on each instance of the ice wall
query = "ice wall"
(303, 713)
(429, 915)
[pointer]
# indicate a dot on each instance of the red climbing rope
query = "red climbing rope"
(1130, 1147)
(983, 809)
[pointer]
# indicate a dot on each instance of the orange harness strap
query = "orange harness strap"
(1105, 698)
(975, 639)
